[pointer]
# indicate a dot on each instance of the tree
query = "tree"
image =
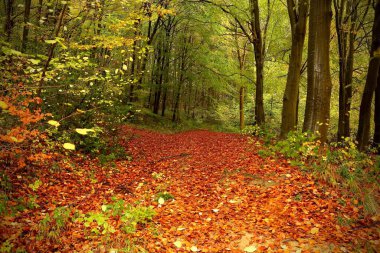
(317, 112)
(298, 19)
(259, 49)
(25, 31)
(9, 22)
(370, 86)
(376, 136)
(347, 24)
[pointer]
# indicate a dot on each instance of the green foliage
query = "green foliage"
(165, 196)
(6, 247)
(32, 201)
(53, 224)
(254, 130)
(35, 185)
(3, 203)
(133, 216)
(130, 216)
(340, 164)
(101, 221)
(298, 146)
(264, 132)
(5, 184)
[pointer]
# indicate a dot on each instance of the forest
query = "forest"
(189, 126)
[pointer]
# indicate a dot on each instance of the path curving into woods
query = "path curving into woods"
(226, 199)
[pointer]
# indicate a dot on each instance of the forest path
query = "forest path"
(211, 192)
(227, 198)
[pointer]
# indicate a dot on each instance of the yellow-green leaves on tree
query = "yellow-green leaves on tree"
(69, 146)
(3, 105)
(54, 123)
(84, 131)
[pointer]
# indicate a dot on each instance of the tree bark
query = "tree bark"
(51, 50)
(132, 97)
(25, 31)
(298, 21)
(241, 107)
(371, 83)
(317, 113)
(9, 23)
(346, 16)
(376, 135)
(259, 60)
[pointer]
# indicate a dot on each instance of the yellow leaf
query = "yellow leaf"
(250, 249)
(69, 146)
(178, 244)
(125, 68)
(194, 249)
(3, 105)
(54, 123)
(314, 230)
(161, 201)
(14, 139)
(83, 131)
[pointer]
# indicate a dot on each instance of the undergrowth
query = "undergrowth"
(340, 164)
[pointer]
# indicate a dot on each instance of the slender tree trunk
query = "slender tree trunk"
(376, 136)
(164, 99)
(152, 31)
(39, 12)
(51, 50)
(132, 97)
(317, 113)
(25, 31)
(298, 21)
(242, 56)
(159, 79)
(241, 107)
(175, 116)
(370, 86)
(259, 60)
(9, 23)
(346, 13)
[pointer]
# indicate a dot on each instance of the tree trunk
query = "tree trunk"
(298, 21)
(346, 12)
(132, 97)
(317, 113)
(376, 136)
(259, 60)
(164, 98)
(25, 31)
(370, 86)
(241, 107)
(51, 50)
(9, 23)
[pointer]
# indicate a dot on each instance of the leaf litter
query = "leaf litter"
(225, 198)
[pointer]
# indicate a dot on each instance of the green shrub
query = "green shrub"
(52, 225)
(130, 216)
(298, 146)
(164, 195)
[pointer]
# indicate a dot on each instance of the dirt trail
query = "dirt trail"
(229, 198)
(219, 196)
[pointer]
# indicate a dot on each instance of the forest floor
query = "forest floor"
(211, 192)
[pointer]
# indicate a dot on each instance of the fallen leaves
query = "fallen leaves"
(225, 199)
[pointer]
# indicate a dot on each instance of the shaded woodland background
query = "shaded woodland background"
(296, 81)
(232, 63)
